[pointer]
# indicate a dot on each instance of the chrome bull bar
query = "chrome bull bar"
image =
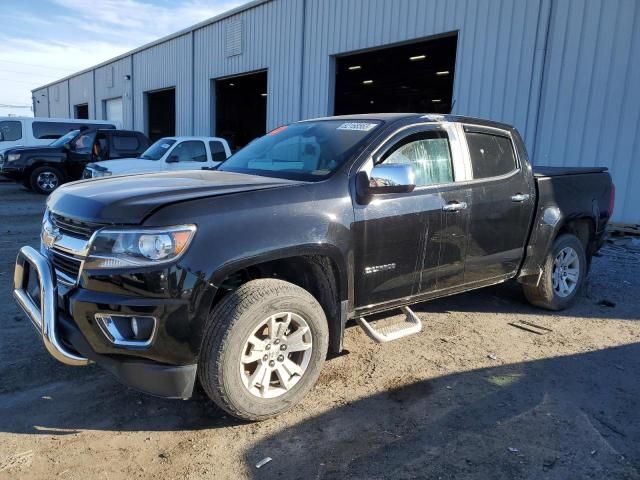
(44, 316)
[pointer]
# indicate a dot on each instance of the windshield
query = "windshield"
(158, 149)
(308, 151)
(64, 139)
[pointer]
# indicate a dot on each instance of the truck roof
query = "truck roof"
(394, 117)
(187, 137)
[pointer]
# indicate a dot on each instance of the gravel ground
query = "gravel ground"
(475, 395)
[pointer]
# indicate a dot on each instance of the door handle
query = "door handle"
(520, 197)
(454, 206)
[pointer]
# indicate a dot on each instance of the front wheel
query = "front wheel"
(46, 179)
(263, 349)
(562, 277)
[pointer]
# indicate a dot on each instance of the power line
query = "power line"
(45, 75)
(4, 105)
(33, 65)
(33, 84)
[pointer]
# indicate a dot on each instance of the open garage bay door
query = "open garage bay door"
(161, 113)
(241, 108)
(416, 77)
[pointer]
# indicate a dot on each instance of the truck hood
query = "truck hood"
(35, 150)
(130, 199)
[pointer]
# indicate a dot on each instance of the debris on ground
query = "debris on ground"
(263, 462)
(513, 450)
(530, 327)
(606, 303)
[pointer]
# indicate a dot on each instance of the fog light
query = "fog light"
(127, 330)
(142, 327)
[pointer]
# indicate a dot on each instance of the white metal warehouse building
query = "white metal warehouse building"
(565, 72)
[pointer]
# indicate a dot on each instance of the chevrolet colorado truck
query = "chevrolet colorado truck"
(45, 168)
(244, 278)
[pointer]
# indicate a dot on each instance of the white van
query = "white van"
(37, 131)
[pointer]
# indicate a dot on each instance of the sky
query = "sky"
(44, 40)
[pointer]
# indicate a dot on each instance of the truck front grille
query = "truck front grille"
(66, 264)
(73, 227)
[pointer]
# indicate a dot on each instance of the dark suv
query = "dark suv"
(43, 169)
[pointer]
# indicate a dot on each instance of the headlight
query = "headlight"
(12, 157)
(138, 248)
(100, 173)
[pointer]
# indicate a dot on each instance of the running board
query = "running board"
(387, 333)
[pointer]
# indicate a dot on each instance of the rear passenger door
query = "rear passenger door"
(502, 202)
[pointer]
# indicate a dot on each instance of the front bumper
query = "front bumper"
(66, 343)
(8, 171)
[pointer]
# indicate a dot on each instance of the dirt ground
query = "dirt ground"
(472, 396)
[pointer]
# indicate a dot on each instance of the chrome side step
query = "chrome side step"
(387, 333)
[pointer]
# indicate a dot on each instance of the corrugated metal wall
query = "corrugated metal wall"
(59, 100)
(565, 72)
(165, 66)
(41, 103)
(495, 59)
(111, 83)
(81, 91)
(271, 39)
(590, 109)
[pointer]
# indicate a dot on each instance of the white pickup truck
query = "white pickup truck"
(167, 154)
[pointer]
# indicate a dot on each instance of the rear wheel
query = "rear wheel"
(562, 276)
(46, 179)
(263, 349)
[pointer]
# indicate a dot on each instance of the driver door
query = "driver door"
(402, 239)
(80, 153)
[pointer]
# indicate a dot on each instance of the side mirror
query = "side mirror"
(391, 178)
(173, 159)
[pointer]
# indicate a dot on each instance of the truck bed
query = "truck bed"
(542, 171)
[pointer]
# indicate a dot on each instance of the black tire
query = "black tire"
(46, 188)
(231, 323)
(544, 295)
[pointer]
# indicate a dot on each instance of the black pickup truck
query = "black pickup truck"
(245, 277)
(45, 168)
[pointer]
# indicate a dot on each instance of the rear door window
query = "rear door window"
(491, 155)
(55, 130)
(52, 130)
(11, 130)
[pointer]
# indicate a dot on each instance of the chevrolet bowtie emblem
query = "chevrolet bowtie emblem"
(50, 235)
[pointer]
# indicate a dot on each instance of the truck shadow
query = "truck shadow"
(577, 415)
(566, 417)
(594, 301)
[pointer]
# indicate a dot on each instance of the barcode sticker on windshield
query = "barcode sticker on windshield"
(358, 126)
(165, 145)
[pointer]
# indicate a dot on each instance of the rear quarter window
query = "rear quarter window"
(126, 143)
(491, 155)
(11, 130)
(218, 153)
